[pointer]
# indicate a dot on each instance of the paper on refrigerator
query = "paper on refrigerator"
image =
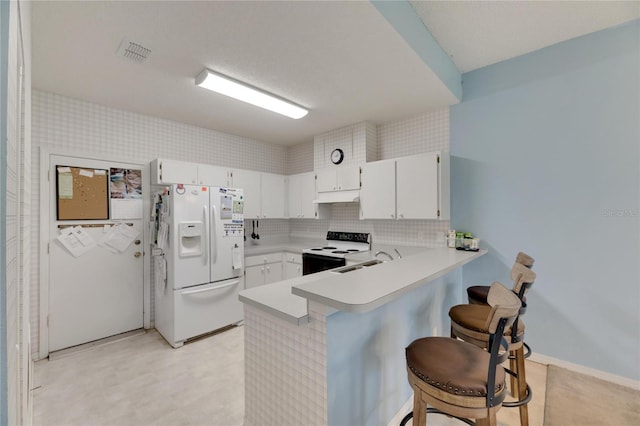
(237, 257)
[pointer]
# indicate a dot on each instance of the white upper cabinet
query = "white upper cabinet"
(273, 189)
(378, 192)
(338, 179)
(173, 171)
(209, 175)
(301, 191)
(249, 181)
(415, 187)
(264, 193)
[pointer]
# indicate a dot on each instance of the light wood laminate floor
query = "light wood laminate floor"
(141, 381)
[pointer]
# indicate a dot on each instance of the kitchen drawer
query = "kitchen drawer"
(263, 258)
(293, 257)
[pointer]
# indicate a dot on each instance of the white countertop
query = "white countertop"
(358, 291)
(368, 288)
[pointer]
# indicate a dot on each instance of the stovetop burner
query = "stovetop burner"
(340, 244)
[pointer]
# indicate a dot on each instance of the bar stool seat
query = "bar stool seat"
(474, 317)
(454, 367)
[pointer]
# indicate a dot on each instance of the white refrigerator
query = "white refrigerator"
(201, 242)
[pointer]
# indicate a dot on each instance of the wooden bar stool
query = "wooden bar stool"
(478, 293)
(468, 323)
(458, 378)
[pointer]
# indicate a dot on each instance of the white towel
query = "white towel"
(237, 257)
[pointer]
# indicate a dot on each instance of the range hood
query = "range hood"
(352, 196)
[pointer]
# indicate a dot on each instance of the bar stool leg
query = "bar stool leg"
(522, 385)
(513, 366)
(419, 409)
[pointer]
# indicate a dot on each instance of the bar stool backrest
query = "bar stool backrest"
(524, 259)
(523, 278)
(504, 304)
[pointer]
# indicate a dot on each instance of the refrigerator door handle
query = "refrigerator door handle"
(214, 240)
(218, 287)
(205, 240)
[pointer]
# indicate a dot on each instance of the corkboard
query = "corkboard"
(82, 193)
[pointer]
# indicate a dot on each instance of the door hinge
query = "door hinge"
(438, 213)
(48, 246)
(48, 176)
(438, 159)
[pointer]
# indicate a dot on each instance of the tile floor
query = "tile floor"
(141, 380)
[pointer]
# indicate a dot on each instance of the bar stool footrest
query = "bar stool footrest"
(527, 354)
(436, 411)
(520, 402)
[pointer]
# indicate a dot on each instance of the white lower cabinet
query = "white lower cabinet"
(263, 269)
(292, 265)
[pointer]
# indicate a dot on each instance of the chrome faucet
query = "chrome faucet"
(383, 252)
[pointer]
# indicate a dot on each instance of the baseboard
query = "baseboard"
(404, 410)
(603, 375)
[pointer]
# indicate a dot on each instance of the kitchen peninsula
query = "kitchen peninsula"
(328, 348)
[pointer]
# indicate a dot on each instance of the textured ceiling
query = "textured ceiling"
(342, 60)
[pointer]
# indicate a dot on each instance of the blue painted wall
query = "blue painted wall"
(366, 366)
(546, 159)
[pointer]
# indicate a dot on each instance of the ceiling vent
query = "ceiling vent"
(134, 51)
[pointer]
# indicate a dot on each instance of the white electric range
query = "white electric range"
(335, 251)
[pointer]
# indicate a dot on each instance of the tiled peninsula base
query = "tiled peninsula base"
(339, 368)
(285, 370)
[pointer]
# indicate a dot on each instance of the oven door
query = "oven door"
(312, 263)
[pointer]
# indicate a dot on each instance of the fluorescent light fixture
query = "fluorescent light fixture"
(236, 89)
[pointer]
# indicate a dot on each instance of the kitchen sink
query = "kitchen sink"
(357, 266)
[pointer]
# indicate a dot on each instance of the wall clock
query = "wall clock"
(337, 155)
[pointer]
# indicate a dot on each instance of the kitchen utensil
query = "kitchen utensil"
(253, 229)
(258, 228)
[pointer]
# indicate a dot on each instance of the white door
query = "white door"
(326, 180)
(209, 175)
(307, 195)
(417, 187)
(249, 182)
(348, 178)
(272, 195)
(378, 192)
(100, 292)
(174, 171)
(188, 259)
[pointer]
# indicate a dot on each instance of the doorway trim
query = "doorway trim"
(43, 239)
